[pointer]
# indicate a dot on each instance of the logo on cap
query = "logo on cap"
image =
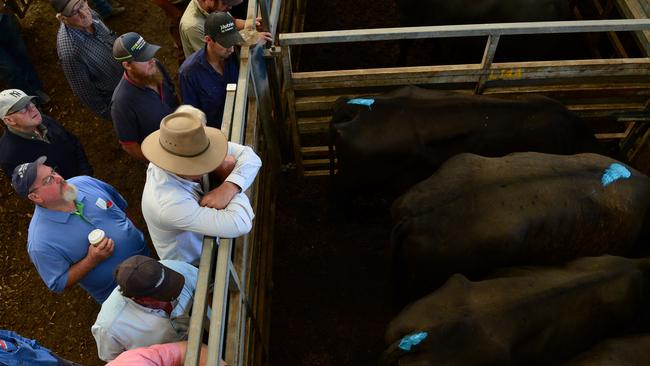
(227, 27)
(21, 170)
(15, 93)
(138, 45)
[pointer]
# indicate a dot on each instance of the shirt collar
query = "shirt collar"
(60, 216)
(32, 135)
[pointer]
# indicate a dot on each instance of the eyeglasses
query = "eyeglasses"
(24, 109)
(47, 180)
(80, 5)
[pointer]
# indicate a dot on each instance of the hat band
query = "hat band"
(184, 155)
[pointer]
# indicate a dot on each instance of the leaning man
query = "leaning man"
(178, 212)
(66, 212)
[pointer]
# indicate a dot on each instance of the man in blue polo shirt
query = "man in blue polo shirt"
(66, 212)
(205, 74)
(144, 95)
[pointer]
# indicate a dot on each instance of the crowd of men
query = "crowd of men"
(145, 302)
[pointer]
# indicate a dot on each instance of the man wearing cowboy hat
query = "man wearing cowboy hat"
(151, 305)
(177, 211)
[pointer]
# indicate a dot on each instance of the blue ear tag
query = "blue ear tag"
(362, 101)
(615, 172)
(412, 340)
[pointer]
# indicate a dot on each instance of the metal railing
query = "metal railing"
(226, 265)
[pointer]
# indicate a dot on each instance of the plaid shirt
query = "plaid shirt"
(88, 64)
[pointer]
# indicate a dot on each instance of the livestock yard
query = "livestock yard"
(318, 281)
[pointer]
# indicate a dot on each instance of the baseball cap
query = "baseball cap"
(132, 47)
(13, 100)
(221, 28)
(140, 276)
(24, 176)
(64, 7)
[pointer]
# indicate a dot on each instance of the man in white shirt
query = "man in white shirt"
(177, 211)
(151, 305)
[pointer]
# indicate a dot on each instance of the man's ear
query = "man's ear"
(34, 197)
(8, 121)
(207, 39)
(126, 65)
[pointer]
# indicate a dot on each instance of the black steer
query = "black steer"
(530, 316)
(403, 136)
(478, 213)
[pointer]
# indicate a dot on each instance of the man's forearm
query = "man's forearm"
(79, 270)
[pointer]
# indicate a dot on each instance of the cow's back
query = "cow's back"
(480, 213)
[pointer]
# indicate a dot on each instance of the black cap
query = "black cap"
(221, 28)
(132, 47)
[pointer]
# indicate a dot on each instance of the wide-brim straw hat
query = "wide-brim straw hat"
(184, 146)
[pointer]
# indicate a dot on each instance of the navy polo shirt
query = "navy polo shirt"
(204, 88)
(137, 111)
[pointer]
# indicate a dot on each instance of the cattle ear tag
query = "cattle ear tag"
(101, 203)
(362, 101)
(412, 340)
(613, 173)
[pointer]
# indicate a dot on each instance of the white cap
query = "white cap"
(96, 236)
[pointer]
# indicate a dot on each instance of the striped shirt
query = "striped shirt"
(88, 64)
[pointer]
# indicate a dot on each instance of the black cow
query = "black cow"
(403, 136)
(624, 351)
(529, 316)
(478, 213)
(511, 48)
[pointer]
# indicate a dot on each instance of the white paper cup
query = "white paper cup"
(96, 236)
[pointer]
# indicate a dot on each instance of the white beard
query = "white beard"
(70, 193)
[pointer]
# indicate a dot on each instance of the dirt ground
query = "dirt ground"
(62, 322)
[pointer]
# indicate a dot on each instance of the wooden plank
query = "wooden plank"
(314, 124)
(288, 91)
(488, 57)
(315, 102)
(465, 30)
(317, 173)
(536, 70)
(637, 9)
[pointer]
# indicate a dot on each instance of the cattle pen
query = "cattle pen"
(284, 113)
(594, 88)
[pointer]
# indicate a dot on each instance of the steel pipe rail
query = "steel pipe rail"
(467, 30)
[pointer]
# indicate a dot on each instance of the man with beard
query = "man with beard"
(84, 44)
(144, 95)
(30, 134)
(65, 213)
(204, 75)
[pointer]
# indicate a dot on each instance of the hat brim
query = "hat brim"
(171, 287)
(201, 164)
(147, 53)
(67, 9)
(20, 104)
(230, 39)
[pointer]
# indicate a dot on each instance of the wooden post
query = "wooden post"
(486, 63)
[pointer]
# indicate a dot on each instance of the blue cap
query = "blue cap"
(24, 176)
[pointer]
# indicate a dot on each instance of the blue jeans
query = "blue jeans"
(103, 7)
(16, 68)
